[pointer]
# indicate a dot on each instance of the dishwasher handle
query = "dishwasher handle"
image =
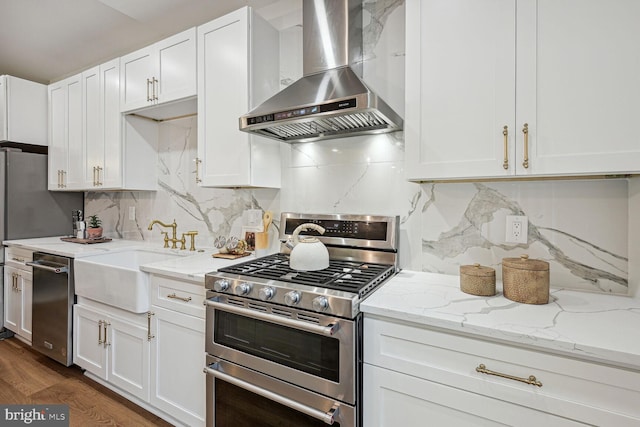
(52, 267)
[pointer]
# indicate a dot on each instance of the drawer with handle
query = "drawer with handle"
(185, 297)
(18, 257)
(578, 389)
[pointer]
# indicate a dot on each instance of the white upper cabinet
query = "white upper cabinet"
(92, 146)
(238, 68)
(559, 69)
(103, 142)
(66, 149)
(23, 111)
(160, 73)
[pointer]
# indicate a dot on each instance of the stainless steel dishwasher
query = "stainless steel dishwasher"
(53, 298)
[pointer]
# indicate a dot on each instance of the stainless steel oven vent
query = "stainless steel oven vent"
(331, 100)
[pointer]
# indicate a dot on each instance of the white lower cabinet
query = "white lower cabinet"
(157, 356)
(177, 349)
(395, 399)
(113, 345)
(18, 292)
(414, 373)
(177, 360)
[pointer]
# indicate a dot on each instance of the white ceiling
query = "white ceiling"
(47, 40)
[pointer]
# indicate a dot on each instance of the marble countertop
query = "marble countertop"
(597, 327)
(190, 266)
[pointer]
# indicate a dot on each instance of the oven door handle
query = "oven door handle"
(325, 417)
(328, 330)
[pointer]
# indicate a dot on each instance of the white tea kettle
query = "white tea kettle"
(308, 253)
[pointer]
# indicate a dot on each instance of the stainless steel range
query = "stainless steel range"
(284, 346)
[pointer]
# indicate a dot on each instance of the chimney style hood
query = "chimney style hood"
(331, 100)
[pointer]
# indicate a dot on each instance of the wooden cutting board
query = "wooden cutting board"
(231, 256)
(85, 241)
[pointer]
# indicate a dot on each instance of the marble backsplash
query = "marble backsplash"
(580, 227)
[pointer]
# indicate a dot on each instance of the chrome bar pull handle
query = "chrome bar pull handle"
(505, 132)
(525, 131)
(148, 92)
(155, 84)
(531, 380)
(149, 336)
(326, 417)
(328, 330)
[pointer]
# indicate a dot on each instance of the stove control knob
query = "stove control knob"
(242, 289)
(266, 293)
(320, 303)
(292, 298)
(221, 285)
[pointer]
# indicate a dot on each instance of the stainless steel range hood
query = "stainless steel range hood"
(331, 100)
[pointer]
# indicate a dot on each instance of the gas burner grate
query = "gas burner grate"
(348, 276)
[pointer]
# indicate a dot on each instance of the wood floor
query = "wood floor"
(27, 377)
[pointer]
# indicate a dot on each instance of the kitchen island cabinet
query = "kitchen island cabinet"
(436, 353)
(521, 89)
(237, 70)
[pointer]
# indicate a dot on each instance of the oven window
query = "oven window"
(237, 407)
(311, 353)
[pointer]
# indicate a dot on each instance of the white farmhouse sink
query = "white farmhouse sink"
(115, 278)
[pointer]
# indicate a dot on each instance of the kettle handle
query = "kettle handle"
(305, 226)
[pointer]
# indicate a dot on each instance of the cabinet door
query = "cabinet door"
(26, 303)
(176, 73)
(128, 366)
(136, 74)
(73, 174)
(460, 79)
(11, 300)
(394, 399)
(91, 133)
(223, 82)
(177, 359)
(578, 85)
(89, 335)
(58, 144)
(111, 150)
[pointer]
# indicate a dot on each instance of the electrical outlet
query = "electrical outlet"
(517, 229)
(132, 213)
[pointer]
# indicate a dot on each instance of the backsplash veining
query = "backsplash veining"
(210, 212)
(580, 227)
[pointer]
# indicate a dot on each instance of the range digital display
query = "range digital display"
(366, 230)
(301, 112)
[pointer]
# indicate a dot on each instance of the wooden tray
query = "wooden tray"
(85, 241)
(231, 256)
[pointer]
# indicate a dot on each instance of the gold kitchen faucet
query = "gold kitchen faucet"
(174, 239)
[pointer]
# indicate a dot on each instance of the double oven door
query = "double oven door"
(280, 363)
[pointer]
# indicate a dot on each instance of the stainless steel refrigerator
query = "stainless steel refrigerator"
(27, 208)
